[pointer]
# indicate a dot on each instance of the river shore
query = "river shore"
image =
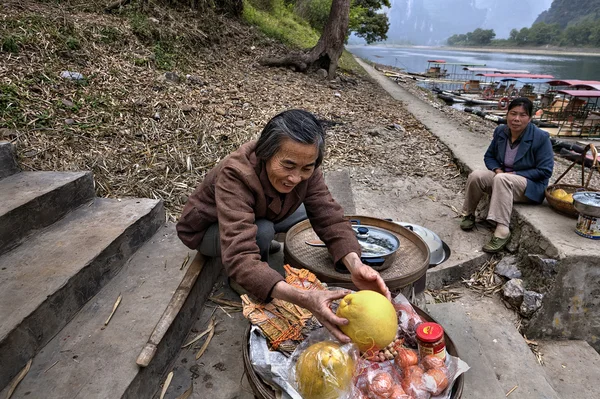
(591, 52)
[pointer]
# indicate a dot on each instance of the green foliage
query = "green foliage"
(163, 54)
(365, 21)
(479, 37)
(10, 44)
(281, 24)
(11, 114)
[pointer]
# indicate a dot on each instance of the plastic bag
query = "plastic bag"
(322, 368)
(408, 320)
(377, 380)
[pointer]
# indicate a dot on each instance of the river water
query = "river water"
(414, 59)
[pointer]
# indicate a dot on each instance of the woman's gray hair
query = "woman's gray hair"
(296, 124)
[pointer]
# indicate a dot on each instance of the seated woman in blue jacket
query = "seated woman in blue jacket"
(520, 162)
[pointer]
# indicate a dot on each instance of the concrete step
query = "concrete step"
(8, 161)
(572, 367)
(488, 341)
(45, 281)
(90, 360)
(33, 200)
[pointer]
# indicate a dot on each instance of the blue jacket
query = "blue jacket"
(534, 160)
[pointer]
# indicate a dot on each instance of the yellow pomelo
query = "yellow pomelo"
(372, 321)
(568, 198)
(323, 371)
(560, 193)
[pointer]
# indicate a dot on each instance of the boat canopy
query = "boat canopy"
(495, 70)
(581, 93)
(587, 86)
(582, 84)
(525, 81)
(437, 61)
(465, 65)
(515, 75)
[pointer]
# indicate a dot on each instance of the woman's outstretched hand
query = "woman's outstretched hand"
(318, 303)
(364, 277)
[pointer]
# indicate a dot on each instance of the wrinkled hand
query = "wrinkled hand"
(365, 278)
(319, 304)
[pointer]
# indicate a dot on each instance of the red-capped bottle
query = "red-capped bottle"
(430, 338)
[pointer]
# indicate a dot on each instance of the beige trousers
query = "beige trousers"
(503, 188)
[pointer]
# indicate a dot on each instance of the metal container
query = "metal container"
(438, 249)
(378, 245)
(587, 204)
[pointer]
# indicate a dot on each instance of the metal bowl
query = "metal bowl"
(587, 203)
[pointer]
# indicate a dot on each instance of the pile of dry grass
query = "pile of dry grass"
(146, 128)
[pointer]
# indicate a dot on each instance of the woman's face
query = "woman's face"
(517, 119)
(293, 163)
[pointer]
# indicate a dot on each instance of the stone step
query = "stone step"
(8, 161)
(32, 200)
(572, 367)
(90, 360)
(46, 280)
(499, 357)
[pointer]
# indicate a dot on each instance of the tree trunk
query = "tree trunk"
(328, 49)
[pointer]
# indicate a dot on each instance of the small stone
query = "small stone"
(8, 133)
(67, 103)
(507, 267)
(152, 19)
(547, 266)
(240, 123)
(187, 108)
(71, 75)
(532, 301)
(513, 292)
(172, 76)
(338, 95)
(156, 116)
(220, 111)
(194, 80)
(70, 121)
(322, 73)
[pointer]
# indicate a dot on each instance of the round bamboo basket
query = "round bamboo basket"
(566, 207)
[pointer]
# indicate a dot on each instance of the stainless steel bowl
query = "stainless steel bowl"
(587, 203)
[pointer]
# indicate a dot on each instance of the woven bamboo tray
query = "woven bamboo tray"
(410, 264)
(264, 391)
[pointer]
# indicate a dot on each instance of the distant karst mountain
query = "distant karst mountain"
(430, 22)
(569, 12)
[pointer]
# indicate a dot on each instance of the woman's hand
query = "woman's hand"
(364, 277)
(318, 303)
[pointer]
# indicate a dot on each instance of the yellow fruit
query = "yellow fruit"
(372, 320)
(323, 371)
(560, 193)
(568, 198)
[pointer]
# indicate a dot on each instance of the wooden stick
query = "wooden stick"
(19, 378)
(114, 309)
(175, 305)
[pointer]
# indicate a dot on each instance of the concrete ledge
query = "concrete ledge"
(33, 200)
(339, 185)
(8, 161)
(446, 274)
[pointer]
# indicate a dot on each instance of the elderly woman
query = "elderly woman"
(265, 187)
(520, 162)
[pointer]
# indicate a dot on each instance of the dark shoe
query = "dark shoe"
(496, 244)
(274, 247)
(468, 222)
